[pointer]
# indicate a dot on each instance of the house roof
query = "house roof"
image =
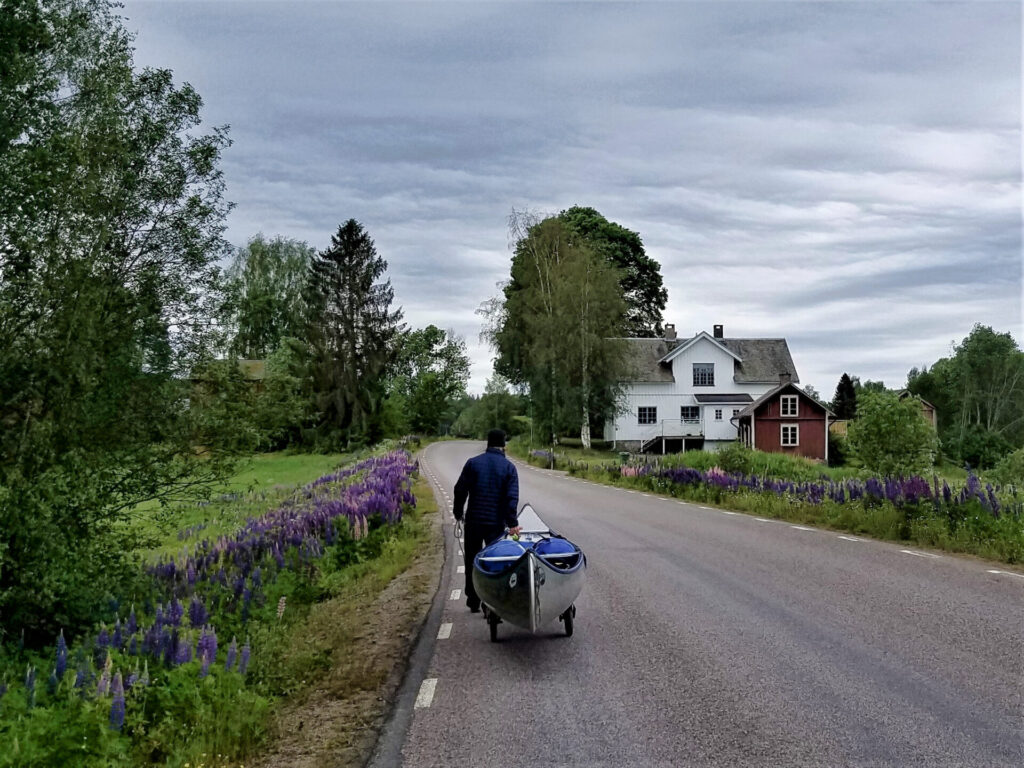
(740, 397)
(758, 361)
(643, 358)
(772, 393)
(682, 346)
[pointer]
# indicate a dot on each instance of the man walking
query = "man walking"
(491, 484)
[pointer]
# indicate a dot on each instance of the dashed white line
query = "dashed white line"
(801, 528)
(461, 569)
(763, 520)
(445, 631)
(850, 538)
(726, 512)
(456, 594)
(426, 694)
(920, 554)
(705, 507)
(1009, 573)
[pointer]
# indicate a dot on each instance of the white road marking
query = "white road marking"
(646, 495)
(461, 569)
(426, 694)
(850, 538)
(801, 528)
(763, 520)
(726, 512)
(456, 594)
(706, 507)
(445, 631)
(461, 553)
(1010, 573)
(919, 554)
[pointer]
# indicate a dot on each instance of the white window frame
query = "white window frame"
(795, 410)
(704, 383)
(652, 412)
(694, 408)
(718, 414)
(796, 435)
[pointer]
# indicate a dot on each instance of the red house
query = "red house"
(786, 420)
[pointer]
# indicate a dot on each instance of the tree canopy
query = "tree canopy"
(430, 376)
(111, 220)
(889, 435)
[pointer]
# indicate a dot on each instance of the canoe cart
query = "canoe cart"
(532, 580)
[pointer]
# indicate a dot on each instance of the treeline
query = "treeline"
(978, 395)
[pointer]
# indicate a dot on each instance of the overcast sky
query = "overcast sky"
(844, 175)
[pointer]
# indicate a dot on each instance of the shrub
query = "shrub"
(890, 436)
(977, 446)
(1011, 469)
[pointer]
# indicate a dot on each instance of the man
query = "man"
(491, 484)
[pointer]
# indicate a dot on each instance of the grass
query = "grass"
(262, 482)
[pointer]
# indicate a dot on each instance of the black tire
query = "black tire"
(492, 621)
(567, 620)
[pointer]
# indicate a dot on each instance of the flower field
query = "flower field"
(178, 676)
(973, 516)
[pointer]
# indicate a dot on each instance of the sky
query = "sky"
(844, 175)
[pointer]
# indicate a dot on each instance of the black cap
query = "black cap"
(496, 439)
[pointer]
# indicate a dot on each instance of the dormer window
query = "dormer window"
(703, 374)
(789, 406)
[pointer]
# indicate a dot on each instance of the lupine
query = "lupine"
(117, 705)
(3, 687)
(197, 613)
(243, 662)
(30, 686)
(133, 623)
(62, 656)
(232, 652)
(103, 685)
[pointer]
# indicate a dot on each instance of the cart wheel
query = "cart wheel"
(492, 621)
(567, 618)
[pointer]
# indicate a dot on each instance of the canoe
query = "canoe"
(530, 581)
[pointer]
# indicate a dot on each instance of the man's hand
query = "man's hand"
(514, 531)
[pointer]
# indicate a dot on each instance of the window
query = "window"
(735, 412)
(703, 374)
(718, 414)
(647, 414)
(689, 413)
(790, 434)
(789, 405)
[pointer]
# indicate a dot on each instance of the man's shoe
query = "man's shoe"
(473, 608)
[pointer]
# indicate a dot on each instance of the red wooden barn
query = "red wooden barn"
(786, 420)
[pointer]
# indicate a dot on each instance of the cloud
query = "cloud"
(845, 175)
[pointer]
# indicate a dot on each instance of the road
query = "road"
(707, 638)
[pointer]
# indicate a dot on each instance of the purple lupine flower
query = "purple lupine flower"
(232, 652)
(175, 613)
(62, 656)
(103, 685)
(133, 646)
(183, 652)
(82, 675)
(133, 678)
(117, 640)
(243, 662)
(197, 613)
(144, 680)
(117, 705)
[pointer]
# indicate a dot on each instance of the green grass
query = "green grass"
(262, 482)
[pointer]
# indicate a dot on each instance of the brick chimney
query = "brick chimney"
(670, 332)
(785, 378)
(719, 332)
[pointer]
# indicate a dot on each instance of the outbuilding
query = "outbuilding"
(786, 420)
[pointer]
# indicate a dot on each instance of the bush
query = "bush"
(1010, 471)
(890, 436)
(981, 448)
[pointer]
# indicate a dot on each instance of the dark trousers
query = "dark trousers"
(476, 538)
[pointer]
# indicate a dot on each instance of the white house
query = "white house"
(683, 393)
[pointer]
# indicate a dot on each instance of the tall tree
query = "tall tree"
(555, 330)
(639, 274)
(353, 331)
(111, 220)
(844, 401)
(265, 294)
(431, 372)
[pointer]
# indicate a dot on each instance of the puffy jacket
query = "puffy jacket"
(491, 484)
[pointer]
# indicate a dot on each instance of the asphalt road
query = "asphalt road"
(706, 638)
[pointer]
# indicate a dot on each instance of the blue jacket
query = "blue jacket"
(491, 484)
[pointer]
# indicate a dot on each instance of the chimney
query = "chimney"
(785, 378)
(719, 332)
(670, 332)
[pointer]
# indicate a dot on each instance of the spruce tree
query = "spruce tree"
(844, 402)
(353, 330)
